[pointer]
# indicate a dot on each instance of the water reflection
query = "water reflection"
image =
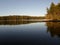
(14, 22)
(29, 34)
(53, 28)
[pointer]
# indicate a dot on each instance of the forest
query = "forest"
(53, 12)
(19, 18)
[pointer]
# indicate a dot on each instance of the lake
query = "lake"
(30, 33)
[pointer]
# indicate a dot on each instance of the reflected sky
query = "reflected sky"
(30, 33)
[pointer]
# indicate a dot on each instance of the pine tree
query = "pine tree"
(54, 11)
(52, 8)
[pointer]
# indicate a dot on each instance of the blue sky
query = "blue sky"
(25, 7)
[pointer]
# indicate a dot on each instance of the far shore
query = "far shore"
(36, 20)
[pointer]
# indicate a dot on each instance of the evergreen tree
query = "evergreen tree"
(52, 8)
(54, 11)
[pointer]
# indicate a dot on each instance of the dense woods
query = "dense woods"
(53, 12)
(19, 18)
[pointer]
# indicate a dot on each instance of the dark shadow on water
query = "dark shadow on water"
(53, 28)
(10, 22)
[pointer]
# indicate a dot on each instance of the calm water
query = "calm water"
(31, 33)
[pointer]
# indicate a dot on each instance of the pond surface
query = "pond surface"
(33, 33)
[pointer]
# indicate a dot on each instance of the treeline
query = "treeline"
(53, 12)
(19, 18)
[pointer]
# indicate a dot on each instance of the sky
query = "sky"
(25, 7)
